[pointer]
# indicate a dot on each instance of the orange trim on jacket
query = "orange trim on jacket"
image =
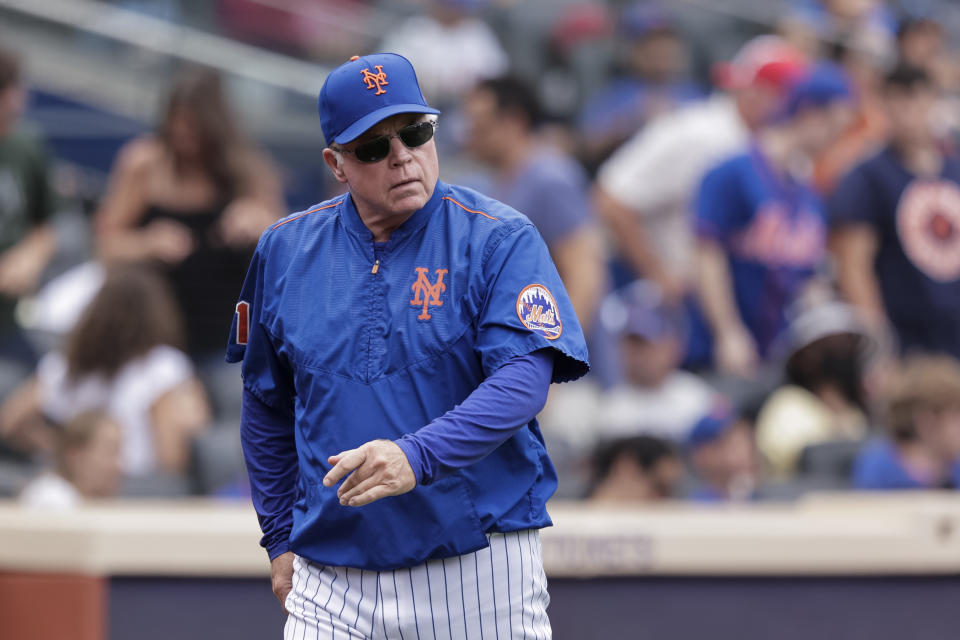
(326, 206)
(470, 210)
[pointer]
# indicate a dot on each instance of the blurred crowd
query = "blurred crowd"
(763, 247)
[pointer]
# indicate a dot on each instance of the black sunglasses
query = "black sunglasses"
(376, 149)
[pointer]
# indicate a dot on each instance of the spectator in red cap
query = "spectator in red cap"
(645, 189)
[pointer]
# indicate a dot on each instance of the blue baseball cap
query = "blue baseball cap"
(712, 425)
(639, 309)
(818, 86)
(365, 90)
(641, 19)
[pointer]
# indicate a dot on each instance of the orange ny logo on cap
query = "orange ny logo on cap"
(375, 80)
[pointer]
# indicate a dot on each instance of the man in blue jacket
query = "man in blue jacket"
(398, 341)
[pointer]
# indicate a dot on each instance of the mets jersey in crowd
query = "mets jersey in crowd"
(773, 231)
(359, 340)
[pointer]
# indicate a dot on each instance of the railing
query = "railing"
(175, 41)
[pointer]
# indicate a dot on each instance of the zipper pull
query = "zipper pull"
(376, 266)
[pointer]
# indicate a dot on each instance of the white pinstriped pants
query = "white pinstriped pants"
(497, 593)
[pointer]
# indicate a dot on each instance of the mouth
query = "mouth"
(405, 183)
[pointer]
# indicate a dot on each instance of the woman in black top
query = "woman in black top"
(192, 199)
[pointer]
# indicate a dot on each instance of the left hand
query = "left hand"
(379, 469)
(281, 577)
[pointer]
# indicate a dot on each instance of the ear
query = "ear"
(330, 157)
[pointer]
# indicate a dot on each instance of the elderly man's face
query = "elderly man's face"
(401, 183)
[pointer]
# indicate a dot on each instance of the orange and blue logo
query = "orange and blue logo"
(928, 223)
(426, 294)
(538, 311)
(375, 80)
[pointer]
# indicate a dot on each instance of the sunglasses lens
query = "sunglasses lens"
(373, 151)
(415, 135)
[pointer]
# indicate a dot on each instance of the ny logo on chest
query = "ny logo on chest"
(426, 294)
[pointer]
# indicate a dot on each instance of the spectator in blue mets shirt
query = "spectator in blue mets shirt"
(761, 227)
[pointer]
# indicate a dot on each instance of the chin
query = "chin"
(408, 206)
(410, 201)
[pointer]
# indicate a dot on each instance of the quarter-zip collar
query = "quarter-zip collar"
(354, 224)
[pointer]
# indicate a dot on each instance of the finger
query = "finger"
(335, 459)
(347, 492)
(371, 495)
(282, 597)
(345, 462)
(360, 474)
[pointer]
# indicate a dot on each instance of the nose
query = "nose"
(399, 153)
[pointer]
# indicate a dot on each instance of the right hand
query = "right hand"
(281, 577)
(736, 353)
(374, 470)
(168, 241)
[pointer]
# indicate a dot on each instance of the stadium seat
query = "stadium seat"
(830, 461)
(216, 459)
